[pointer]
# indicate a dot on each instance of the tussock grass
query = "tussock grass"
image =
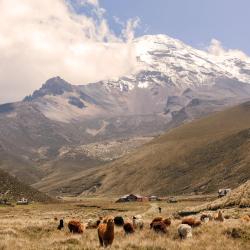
(35, 228)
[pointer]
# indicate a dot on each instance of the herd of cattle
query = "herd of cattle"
(105, 226)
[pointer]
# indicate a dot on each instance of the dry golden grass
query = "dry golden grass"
(239, 197)
(33, 227)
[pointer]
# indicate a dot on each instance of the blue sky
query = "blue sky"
(195, 22)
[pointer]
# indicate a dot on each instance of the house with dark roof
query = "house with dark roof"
(132, 197)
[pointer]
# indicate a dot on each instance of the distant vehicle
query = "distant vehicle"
(172, 200)
(223, 192)
(23, 201)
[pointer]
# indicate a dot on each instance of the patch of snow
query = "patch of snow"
(143, 85)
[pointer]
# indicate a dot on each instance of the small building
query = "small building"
(127, 198)
(131, 198)
(22, 201)
(223, 192)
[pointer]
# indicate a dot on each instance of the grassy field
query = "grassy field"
(34, 227)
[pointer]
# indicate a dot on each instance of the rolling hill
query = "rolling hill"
(200, 156)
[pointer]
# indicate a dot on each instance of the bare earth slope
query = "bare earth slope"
(201, 156)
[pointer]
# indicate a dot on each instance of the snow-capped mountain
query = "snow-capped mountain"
(164, 60)
(174, 83)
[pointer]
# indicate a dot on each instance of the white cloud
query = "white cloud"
(92, 2)
(42, 39)
(128, 31)
(216, 49)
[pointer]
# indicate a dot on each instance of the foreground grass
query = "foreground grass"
(34, 227)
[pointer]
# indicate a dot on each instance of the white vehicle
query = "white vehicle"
(223, 192)
(23, 201)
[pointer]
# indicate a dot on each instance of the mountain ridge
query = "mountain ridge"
(174, 84)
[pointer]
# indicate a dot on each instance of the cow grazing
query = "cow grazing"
(191, 222)
(106, 233)
(75, 227)
(159, 227)
(128, 228)
(119, 221)
(185, 231)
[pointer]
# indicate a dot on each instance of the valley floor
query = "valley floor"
(35, 227)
